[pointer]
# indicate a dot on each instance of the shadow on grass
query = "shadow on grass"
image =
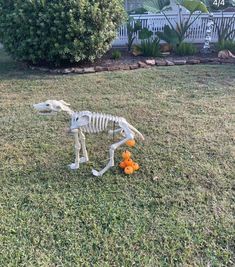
(11, 69)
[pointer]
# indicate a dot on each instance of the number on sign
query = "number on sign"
(218, 3)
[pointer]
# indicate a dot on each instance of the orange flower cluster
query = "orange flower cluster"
(128, 164)
(130, 143)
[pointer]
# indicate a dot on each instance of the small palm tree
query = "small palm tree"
(175, 35)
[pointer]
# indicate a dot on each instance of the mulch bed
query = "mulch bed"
(130, 62)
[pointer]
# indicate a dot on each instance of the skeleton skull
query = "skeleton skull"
(51, 107)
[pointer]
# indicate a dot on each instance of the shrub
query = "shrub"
(55, 31)
(228, 44)
(116, 54)
(148, 48)
(186, 49)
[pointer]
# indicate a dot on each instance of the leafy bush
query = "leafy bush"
(116, 54)
(55, 31)
(186, 49)
(228, 44)
(145, 33)
(150, 48)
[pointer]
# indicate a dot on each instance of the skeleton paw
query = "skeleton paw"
(73, 166)
(95, 173)
(83, 159)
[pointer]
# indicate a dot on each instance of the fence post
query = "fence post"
(179, 13)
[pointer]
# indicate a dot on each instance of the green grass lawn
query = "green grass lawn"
(52, 216)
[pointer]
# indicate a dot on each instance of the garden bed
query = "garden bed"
(130, 62)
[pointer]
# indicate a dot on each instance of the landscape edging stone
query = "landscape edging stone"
(148, 63)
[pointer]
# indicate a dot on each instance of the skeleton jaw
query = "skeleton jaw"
(73, 129)
(46, 112)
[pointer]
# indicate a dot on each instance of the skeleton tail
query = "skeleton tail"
(135, 131)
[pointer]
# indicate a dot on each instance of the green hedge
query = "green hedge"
(57, 31)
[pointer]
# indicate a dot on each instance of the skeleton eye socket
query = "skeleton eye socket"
(47, 105)
(76, 119)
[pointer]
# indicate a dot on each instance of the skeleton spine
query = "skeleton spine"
(99, 122)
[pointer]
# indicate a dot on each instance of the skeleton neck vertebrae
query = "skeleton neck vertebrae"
(90, 122)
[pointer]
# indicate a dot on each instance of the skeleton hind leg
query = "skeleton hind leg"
(128, 135)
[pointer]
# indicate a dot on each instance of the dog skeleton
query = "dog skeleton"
(89, 122)
(225, 54)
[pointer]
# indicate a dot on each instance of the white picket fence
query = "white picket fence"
(196, 33)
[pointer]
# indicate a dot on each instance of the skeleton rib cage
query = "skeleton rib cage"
(97, 122)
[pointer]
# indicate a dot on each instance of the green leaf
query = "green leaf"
(168, 35)
(145, 34)
(137, 26)
(193, 6)
(156, 6)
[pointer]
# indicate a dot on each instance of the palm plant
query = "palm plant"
(175, 35)
(132, 28)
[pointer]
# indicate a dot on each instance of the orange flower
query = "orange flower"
(135, 166)
(130, 142)
(128, 170)
(122, 165)
(128, 162)
(126, 154)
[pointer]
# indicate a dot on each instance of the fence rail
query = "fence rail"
(196, 33)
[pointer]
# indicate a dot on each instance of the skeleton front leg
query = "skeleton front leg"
(77, 146)
(128, 135)
(84, 150)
